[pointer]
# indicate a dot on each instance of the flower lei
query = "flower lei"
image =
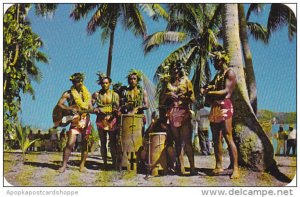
(85, 103)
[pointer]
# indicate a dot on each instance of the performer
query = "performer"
(136, 99)
(78, 99)
(177, 96)
(107, 109)
(219, 92)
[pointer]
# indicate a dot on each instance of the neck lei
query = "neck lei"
(81, 101)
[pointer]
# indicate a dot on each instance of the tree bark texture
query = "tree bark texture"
(254, 148)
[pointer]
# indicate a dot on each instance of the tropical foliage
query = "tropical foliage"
(279, 15)
(106, 16)
(22, 137)
(21, 53)
(281, 117)
(197, 26)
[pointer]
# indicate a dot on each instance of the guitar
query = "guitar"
(62, 117)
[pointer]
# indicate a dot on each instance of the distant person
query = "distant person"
(78, 141)
(281, 137)
(203, 124)
(39, 142)
(195, 138)
(291, 140)
(54, 139)
(31, 137)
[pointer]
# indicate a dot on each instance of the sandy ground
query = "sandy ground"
(40, 169)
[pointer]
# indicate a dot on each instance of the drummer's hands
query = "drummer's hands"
(204, 91)
(97, 111)
(173, 95)
(74, 110)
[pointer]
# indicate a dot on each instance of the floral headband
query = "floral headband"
(78, 77)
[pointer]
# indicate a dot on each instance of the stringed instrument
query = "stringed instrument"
(62, 117)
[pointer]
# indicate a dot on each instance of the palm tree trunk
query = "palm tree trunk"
(197, 81)
(254, 147)
(249, 70)
(110, 51)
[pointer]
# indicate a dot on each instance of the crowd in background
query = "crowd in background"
(52, 141)
(286, 141)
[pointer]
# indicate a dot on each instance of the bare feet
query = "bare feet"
(193, 171)
(218, 170)
(235, 174)
(82, 169)
(182, 171)
(62, 169)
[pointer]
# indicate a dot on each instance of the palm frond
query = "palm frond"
(159, 38)
(150, 88)
(81, 10)
(41, 57)
(182, 25)
(191, 59)
(154, 11)
(134, 21)
(281, 15)
(45, 9)
(181, 53)
(34, 73)
(258, 31)
(182, 18)
(292, 28)
(216, 19)
(97, 19)
(254, 8)
(105, 35)
(212, 39)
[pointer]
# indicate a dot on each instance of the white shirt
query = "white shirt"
(292, 135)
(53, 134)
(202, 119)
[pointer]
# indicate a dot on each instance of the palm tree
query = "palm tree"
(106, 16)
(195, 25)
(259, 32)
(279, 16)
(254, 147)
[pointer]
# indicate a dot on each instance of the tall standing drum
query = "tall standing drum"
(131, 136)
(157, 153)
(132, 125)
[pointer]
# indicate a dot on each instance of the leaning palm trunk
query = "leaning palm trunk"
(249, 70)
(254, 148)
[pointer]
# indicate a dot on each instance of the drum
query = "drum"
(157, 153)
(131, 132)
(131, 138)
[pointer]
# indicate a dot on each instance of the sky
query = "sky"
(70, 49)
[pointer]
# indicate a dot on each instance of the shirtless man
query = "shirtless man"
(78, 99)
(220, 91)
(177, 97)
(136, 99)
(107, 109)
